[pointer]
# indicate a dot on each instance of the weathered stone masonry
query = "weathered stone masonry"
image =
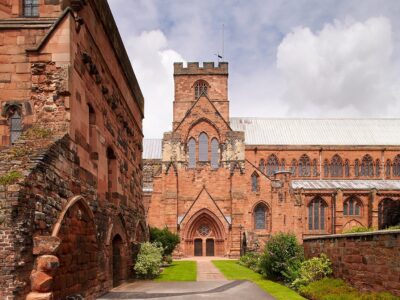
(369, 261)
(71, 208)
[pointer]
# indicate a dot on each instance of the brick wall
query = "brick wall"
(368, 261)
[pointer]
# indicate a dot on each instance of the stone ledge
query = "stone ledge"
(352, 235)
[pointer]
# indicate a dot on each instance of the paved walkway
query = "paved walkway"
(210, 284)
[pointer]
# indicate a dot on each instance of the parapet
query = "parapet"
(208, 68)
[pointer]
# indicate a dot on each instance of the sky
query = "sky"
(287, 58)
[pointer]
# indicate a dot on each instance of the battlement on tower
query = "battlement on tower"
(208, 68)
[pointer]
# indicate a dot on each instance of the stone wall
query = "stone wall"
(369, 261)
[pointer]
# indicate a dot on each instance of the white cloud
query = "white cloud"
(153, 61)
(343, 70)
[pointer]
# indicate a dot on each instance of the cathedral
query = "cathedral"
(225, 185)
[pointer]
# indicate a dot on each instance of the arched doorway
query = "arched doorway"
(389, 213)
(116, 259)
(78, 252)
(204, 235)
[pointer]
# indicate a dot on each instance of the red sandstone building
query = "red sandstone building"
(226, 184)
(71, 207)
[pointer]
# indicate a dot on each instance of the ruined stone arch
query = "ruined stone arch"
(78, 251)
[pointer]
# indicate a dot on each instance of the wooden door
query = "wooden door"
(198, 247)
(210, 247)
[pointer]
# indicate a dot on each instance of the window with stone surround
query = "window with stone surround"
(200, 87)
(367, 166)
(15, 123)
(192, 153)
(283, 163)
(315, 167)
(260, 216)
(336, 166)
(396, 166)
(293, 167)
(112, 172)
(304, 166)
(31, 8)
(254, 182)
(352, 207)
(326, 168)
(377, 168)
(272, 165)
(262, 165)
(316, 214)
(203, 147)
(214, 153)
(347, 168)
(388, 166)
(356, 168)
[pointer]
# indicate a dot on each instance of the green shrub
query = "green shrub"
(312, 270)
(359, 229)
(282, 252)
(166, 238)
(167, 259)
(251, 260)
(337, 289)
(149, 260)
(395, 227)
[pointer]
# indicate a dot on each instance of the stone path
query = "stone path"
(210, 284)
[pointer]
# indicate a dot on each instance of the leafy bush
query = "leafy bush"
(251, 260)
(359, 229)
(395, 227)
(337, 289)
(282, 253)
(312, 270)
(166, 238)
(149, 260)
(167, 259)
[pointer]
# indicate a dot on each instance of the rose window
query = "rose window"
(204, 230)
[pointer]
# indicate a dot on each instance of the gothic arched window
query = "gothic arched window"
(316, 214)
(356, 168)
(347, 168)
(293, 167)
(377, 168)
(15, 121)
(200, 87)
(260, 216)
(262, 165)
(367, 166)
(396, 166)
(214, 153)
(352, 207)
(272, 164)
(304, 166)
(336, 166)
(254, 182)
(326, 168)
(203, 147)
(388, 165)
(283, 164)
(315, 167)
(192, 153)
(31, 8)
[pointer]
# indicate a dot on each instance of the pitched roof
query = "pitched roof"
(152, 148)
(358, 132)
(346, 184)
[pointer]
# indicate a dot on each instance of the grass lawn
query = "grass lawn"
(234, 271)
(179, 271)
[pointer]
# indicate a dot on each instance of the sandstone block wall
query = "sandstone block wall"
(368, 261)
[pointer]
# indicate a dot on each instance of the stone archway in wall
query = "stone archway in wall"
(204, 235)
(78, 251)
(388, 213)
(117, 251)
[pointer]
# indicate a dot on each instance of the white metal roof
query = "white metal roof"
(152, 148)
(358, 132)
(346, 184)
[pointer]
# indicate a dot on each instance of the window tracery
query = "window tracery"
(315, 167)
(388, 165)
(262, 165)
(260, 216)
(347, 168)
(272, 164)
(316, 214)
(356, 168)
(326, 168)
(200, 87)
(293, 167)
(367, 166)
(31, 8)
(352, 207)
(336, 166)
(304, 166)
(377, 168)
(396, 166)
